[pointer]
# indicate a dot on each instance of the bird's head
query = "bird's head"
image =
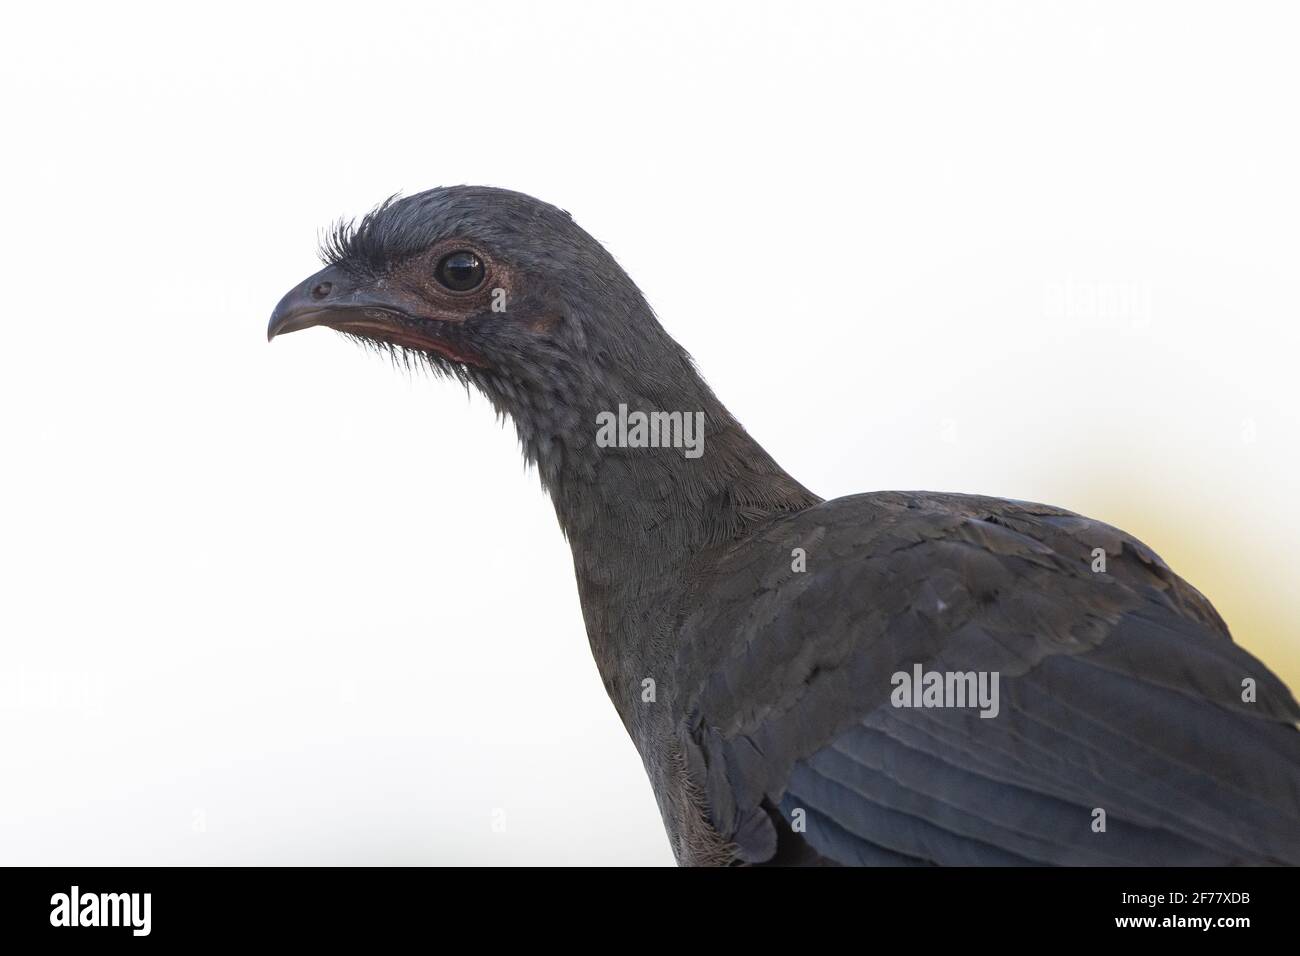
(504, 292)
(488, 285)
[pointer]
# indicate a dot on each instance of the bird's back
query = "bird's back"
(1089, 705)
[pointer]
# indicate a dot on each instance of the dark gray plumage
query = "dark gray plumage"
(1120, 690)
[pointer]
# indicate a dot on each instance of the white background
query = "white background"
(282, 604)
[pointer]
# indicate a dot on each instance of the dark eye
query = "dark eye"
(460, 271)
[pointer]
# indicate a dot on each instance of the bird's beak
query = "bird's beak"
(372, 309)
(334, 299)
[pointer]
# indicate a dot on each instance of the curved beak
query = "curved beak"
(373, 309)
(335, 299)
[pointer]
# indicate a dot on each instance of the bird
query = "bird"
(896, 678)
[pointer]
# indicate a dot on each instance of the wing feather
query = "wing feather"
(1119, 691)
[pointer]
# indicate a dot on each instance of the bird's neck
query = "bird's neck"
(644, 521)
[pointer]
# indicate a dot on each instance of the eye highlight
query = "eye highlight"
(460, 271)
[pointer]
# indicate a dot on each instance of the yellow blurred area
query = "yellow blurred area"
(1243, 569)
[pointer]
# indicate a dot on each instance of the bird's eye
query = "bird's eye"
(460, 271)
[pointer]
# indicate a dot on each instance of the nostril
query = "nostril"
(322, 289)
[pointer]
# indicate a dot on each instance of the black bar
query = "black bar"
(374, 905)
